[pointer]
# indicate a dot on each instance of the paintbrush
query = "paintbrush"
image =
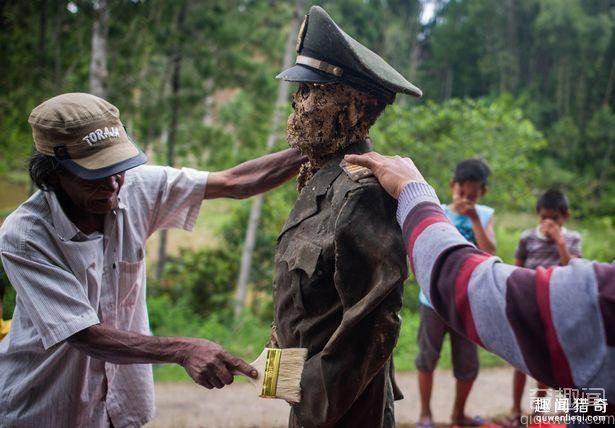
(279, 373)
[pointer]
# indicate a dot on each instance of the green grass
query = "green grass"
(245, 337)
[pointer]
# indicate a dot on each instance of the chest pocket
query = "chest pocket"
(302, 258)
(130, 274)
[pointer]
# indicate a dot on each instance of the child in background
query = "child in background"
(475, 223)
(548, 244)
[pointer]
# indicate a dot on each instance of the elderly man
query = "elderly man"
(80, 349)
(556, 324)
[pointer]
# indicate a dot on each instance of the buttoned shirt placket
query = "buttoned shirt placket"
(109, 302)
(107, 298)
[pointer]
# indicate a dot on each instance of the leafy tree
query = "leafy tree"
(600, 147)
(438, 136)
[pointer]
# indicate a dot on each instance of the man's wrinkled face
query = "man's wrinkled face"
(96, 197)
(327, 118)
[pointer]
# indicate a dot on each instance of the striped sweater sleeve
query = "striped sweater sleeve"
(556, 324)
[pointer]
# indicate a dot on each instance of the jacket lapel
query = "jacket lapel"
(307, 202)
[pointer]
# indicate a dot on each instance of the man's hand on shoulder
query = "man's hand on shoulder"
(254, 176)
(393, 172)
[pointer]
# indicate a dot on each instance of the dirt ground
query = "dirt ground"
(183, 405)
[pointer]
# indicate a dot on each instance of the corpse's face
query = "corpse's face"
(312, 125)
(97, 197)
(327, 118)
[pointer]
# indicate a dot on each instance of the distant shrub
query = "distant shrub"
(438, 136)
(203, 281)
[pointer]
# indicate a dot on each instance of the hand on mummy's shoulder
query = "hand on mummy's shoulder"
(393, 172)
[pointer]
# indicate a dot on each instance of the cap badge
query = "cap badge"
(301, 34)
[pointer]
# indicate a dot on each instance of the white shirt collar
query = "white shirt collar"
(67, 230)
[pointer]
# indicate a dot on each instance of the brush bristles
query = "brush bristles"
(289, 375)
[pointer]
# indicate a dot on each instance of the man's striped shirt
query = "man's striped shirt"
(556, 324)
(67, 281)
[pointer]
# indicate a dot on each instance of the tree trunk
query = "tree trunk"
(98, 64)
(57, 43)
(609, 86)
(149, 129)
(415, 55)
(42, 36)
(605, 170)
(257, 203)
(415, 45)
(176, 60)
(448, 84)
(42, 30)
(510, 72)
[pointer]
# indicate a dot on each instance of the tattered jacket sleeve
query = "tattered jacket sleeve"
(370, 268)
(557, 324)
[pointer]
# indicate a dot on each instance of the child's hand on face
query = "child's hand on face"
(551, 230)
(464, 206)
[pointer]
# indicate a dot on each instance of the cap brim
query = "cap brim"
(301, 73)
(108, 161)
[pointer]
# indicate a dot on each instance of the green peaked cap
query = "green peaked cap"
(325, 53)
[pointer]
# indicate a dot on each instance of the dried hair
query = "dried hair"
(43, 169)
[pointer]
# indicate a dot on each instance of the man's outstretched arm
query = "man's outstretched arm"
(254, 176)
(556, 324)
(60, 311)
(206, 362)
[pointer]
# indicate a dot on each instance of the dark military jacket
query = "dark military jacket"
(340, 267)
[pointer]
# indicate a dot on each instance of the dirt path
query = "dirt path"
(186, 405)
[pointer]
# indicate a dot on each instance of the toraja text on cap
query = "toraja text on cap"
(101, 134)
(76, 121)
(85, 134)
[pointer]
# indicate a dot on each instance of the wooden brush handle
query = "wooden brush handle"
(259, 365)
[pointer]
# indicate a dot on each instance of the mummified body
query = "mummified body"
(340, 262)
(340, 267)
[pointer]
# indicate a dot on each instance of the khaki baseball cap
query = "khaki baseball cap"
(85, 134)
